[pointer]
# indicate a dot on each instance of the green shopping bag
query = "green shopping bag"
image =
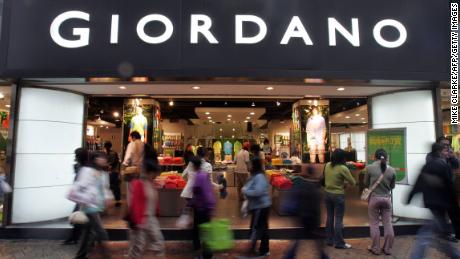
(217, 235)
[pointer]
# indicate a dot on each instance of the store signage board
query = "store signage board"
(393, 141)
(290, 38)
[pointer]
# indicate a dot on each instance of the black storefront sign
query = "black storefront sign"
(395, 39)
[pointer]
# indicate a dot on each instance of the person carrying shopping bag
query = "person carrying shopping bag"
(203, 201)
(142, 207)
(256, 191)
(381, 179)
(92, 193)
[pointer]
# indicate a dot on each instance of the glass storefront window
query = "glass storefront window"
(5, 107)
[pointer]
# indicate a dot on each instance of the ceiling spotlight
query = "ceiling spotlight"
(246, 121)
(278, 103)
(117, 120)
(122, 87)
(252, 113)
(233, 136)
(341, 89)
(315, 102)
(357, 114)
(201, 103)
(7, 106)
(253, 104)
(270, 88)
(229, 116)
(362, 118)
(116, 114)
(209, 118)
(220, 136)
(229, 119)
(220, 129)
(196, 87)
(309, 101)
(281, 121)
(233, 129)
(347, 117)
(225, 103)
(364, 122)
(248, 118)
(171, 103)
(207, 113)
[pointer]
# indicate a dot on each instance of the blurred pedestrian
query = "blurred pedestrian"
(114, 172)
(454, 211)
(134, 154)
(93, 185)
(188, 154)
(439, 196)
(256, 191)
(383, 177)
(150, 154)
(242, 168)
(306, 198)
(258, 153)
(81, 160)
(203, 203)
(336, 173)
(142, 209)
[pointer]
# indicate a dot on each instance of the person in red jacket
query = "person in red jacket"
(142, 207)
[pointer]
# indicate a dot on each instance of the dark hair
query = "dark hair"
(256, 166)
(436, 149)
(196, 162)
(201, 152)
(441, 138)
(108, 144)
(338, 157)
(82, 156)
(151, 167)
(255, 149)
(266, 141)
(150, 153)
(95, 155)
(381, 154)
(135, 135)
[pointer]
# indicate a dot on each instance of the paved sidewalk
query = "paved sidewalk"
(34, 249)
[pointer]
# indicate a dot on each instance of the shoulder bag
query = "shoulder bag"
(367, 192)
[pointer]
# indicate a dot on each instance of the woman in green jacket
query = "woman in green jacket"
(336, 174)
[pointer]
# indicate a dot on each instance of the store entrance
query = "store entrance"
(176, 127)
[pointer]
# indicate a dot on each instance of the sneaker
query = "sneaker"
(264, 254)
(345, 246)
(451, 238)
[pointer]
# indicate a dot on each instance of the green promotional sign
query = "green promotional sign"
(393, 141)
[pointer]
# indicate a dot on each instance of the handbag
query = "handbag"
(185, 220)
(367, 192)
(244, 209)
(5, 187)
(78, 218)
(217, 235)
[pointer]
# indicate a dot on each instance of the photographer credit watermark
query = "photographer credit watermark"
(454, 63)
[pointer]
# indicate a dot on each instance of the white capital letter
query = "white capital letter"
(114, 29)
(390, 44)
(204, 28)
(82, 33)
(239, 38)
(296, 30)
(169, 29)
(352, 37)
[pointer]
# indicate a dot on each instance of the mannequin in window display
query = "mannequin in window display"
(316, 136)
(139, 124)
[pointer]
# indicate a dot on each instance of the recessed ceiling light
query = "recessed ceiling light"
(252, 113)
(207, 113)
(220, 136)
(357, 115)
(270, 88)
(362, 118)
(341, 89)
(117, 120)
(196, 87)
(253, 104)
(209, 118)
(347, 117)
(229, 116)
(246, 121)
(364, 122)
(7, 106)
(278, 103)
(233, 129)
(171, 103)
(122, 87)
(248, 118)
(116, 114)
(229, 119)
(220, 129)
(309, 101)
(282, 121)
(233, 136)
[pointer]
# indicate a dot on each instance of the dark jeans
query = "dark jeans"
(93, 231)
(429, 235)
(259, 229)
(310, 230)
(335, 206)
(115, 185)
(200, 217)
(454, 215)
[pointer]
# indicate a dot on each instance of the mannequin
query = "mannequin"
(139, 124)
(316, 135)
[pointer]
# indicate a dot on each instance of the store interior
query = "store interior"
(222, 116)
(5, 105)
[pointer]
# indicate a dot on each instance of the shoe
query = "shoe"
(451, 238)
(264, 253)
(372, 251)
(346, 246)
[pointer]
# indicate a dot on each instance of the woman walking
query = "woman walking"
(336, 174)
(91, 180)
(256, 191)
(203, 201)
(383, 177)
(142, 207)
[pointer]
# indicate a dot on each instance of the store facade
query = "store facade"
(196, 39)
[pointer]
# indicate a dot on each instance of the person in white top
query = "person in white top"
(242, 168)
(316, 136)
(134, 154)
(190, 173)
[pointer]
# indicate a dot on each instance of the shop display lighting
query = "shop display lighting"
(252, 113)
(196, 87)
(7, 106)
(207, 113)
(122, 87)
(209, 118)
(220, 129)
(341, 89)
(116, 114)
(278, 103)
(347, 117)
(246, 121)
(229, 119)
(357, 114)
(270, 88)
(229, 116)
(233, 129)
(171, 103)
(253, 104)
(362, 118)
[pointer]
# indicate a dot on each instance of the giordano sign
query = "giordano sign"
(327, 38)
